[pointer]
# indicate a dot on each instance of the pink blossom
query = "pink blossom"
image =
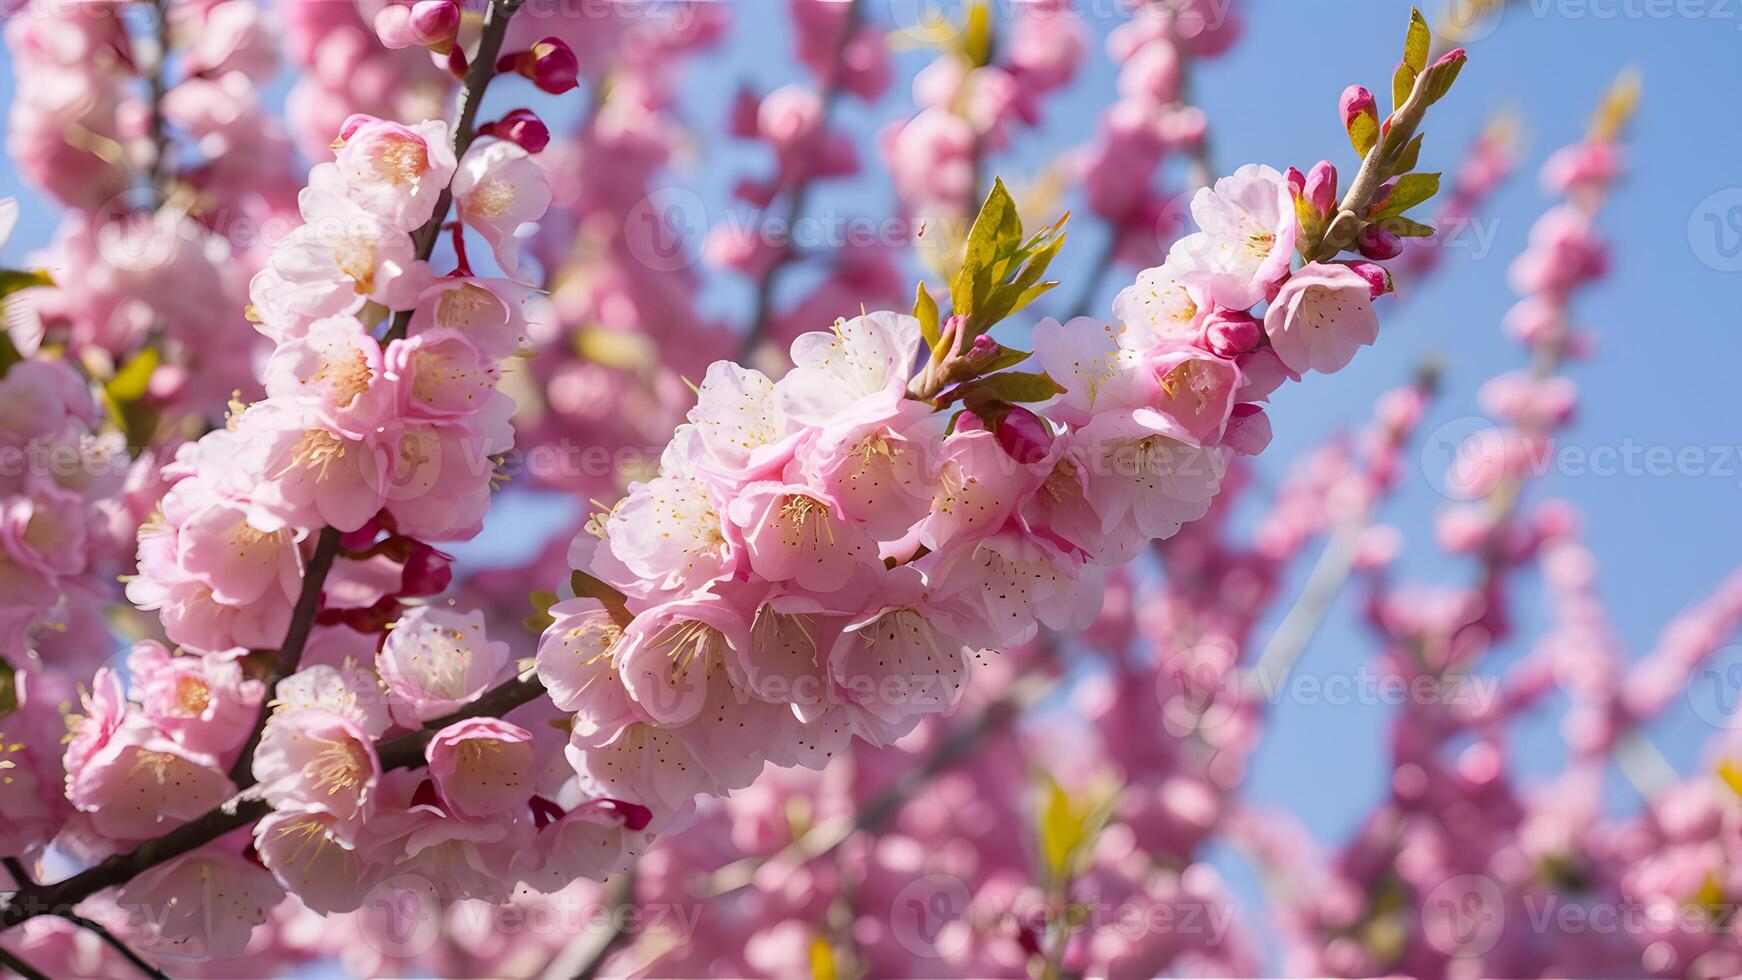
(499, 188)
(204, 905)
(435, 660)
(1323, 314)
(203, 702)
(313, 758)
(1246, 237)
(482, 766)
(395, 171)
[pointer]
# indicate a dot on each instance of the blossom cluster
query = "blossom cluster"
(821, 557)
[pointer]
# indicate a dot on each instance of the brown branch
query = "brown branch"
(404, 752)
(12, 961)
(128, 952)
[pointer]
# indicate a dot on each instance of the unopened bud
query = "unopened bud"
(1379, 243)
(1321, 188)
(550, 64)
(521, 127)
(1230, 333)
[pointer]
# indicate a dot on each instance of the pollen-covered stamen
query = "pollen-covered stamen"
(316, 451)
(491, 198)
(192, 696)
(458, 307)
(773, 630)
(400, 161)
(355, 257)
(443, 662)
(339, 767)
(312, 838)
(686, 642)
(1194, 377)
(344, 372)
(806, 516)
(160, 764)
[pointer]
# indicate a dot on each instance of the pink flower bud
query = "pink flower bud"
(435, 22)
(362, 538)
(1248, 430)
(980, 354)
(521, 127)
(1230, 333)
(1321, 187)
(1296, 181)
(550, 64)
(1023, 436)
(427, 23)
(1357, 102)
(1379, 243)
(1378, 280)
(427, 571)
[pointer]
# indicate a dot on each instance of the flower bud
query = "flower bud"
(427, 571)
(1379, 243)
(550, 64)
(1378, 280)
(522, 127)
(1296, 181)
(1023, 436)
(1230, 333)
(1357, 105)
(1321, 188)
(427, 23)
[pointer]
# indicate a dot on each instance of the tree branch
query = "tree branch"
(404, 752)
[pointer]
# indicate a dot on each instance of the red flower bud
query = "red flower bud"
(521, 127)
(550, 64)
(1379, 243)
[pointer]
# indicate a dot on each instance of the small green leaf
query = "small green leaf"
(8, 689)
(925, 310)
(541, 619)
(1417, 42)
(1402, 82)
(1410, 190)
(1312, 227)
(1015, 386)
(1067, 828)
(131, 382)
(1363, 133)
(995, 235)
(1407, 157)
(976, 40)
(1405, 228)
(587, 587)
(1008, 357)
(12, 280)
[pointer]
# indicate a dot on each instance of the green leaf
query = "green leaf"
(1402, 82)
(1407, 157)
(995, 235)
(1441, 74)
(1363, 133)
(12, 280)
(1417, 42)
(8, 689)
(1410, 190)
(925, 310)
(1008, 357)
(1405, 228)
(131, 382)
(1015, 386)
(541, 619)
(976, 40)
(587, 587)
(1067, 828)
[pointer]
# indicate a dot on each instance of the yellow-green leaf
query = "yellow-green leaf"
(8, 689)
(12, 280)
(541, 618)
(925, 310)
(822, 960)
(1731, 775)
(134, 379)
(1440, 76)
(1410, 190)
(1363, 133)
(976, 42)
(1402, 81)
(1418, 41)
(1016, 386)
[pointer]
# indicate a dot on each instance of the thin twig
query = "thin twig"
(584, 958)
(132, 955)
(12, 961)
(406, 751)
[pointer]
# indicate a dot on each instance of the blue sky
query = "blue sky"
(1665, 320)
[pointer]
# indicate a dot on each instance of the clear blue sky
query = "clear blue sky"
(1665, 320)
